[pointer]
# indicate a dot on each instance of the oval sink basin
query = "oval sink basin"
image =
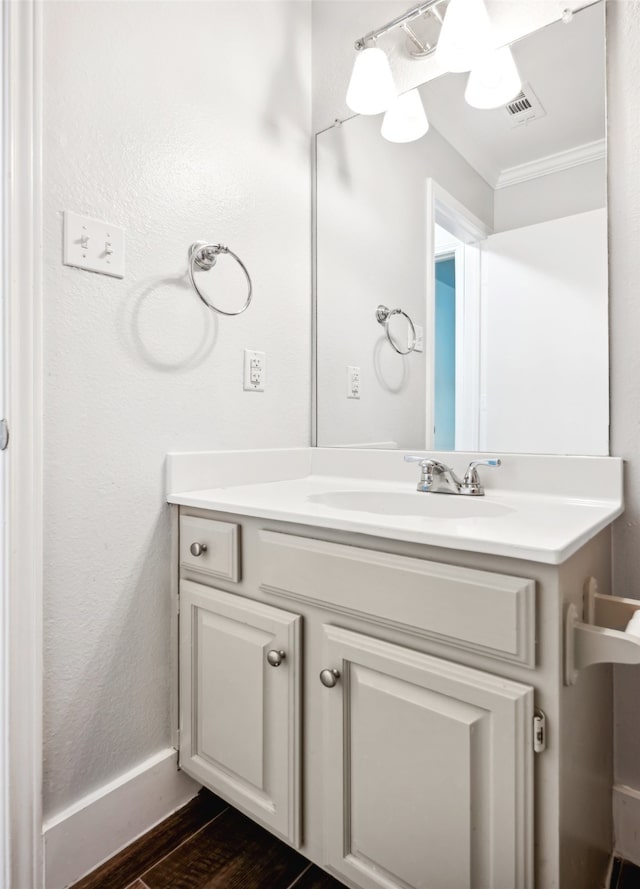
(390, 503)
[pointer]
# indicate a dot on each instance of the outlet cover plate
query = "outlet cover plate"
(353, 381)
(93, 245)
(255, 371)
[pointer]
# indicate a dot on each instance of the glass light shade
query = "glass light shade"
(494, 81)
(371, 88)
(405, 120)
(465, 37)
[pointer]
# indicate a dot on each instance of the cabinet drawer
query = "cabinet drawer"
(210, 548)
(493, 614)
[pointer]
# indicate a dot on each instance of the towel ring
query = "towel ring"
(205, 257)
(384, 315)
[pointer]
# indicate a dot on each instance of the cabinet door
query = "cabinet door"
(239, 715)
(428, 780)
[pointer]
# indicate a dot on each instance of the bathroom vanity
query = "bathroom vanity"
(394, 682)
(413, 688)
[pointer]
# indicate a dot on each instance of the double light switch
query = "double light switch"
(93, 245)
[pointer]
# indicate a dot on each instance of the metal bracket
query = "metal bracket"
(410, 16)
(539, 732)
(4, 435)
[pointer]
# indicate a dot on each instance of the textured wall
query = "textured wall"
(178, 121)
(623, 64)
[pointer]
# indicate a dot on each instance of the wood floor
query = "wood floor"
(208, 845)
(625, 875)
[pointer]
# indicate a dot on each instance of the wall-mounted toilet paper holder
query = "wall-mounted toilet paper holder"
(599, 637)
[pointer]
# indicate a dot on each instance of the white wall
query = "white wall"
(544, 338)
(372, 242)
(565, 193)
(179, 121)
(623, 65)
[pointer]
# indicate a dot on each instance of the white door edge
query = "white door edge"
(22, 371)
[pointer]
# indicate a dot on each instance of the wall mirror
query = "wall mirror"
(490, 234)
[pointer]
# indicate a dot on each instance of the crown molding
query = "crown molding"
(553, 163)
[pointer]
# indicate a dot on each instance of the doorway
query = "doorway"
(452, 335)
(444, 426)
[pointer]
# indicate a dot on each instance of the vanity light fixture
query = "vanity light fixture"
(405, 120)
(466, 43)
(494, 81)
(371, 88)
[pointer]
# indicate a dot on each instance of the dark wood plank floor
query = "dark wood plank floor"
(208, 845)
(625, 875)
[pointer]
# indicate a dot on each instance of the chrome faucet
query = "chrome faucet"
(436, 478)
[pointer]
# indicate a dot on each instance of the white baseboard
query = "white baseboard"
(626, 822)
(96, 827)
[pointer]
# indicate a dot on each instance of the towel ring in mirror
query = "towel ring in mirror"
(205, 257)
(384, 315)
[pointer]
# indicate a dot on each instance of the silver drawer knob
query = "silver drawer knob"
(329, 677)
(275, 658)
(196, 549)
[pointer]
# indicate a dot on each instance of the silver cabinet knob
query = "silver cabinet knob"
(329, 677)
(196, 549)
(275, 658)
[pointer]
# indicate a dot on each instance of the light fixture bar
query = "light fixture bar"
(409, 16)
(416, 11)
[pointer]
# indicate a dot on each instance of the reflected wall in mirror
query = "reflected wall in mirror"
(490, 232)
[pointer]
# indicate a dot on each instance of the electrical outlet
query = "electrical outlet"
(255, 371)
(353, 382)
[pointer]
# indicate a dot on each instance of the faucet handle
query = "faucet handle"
(427, 464)
(428, 469)
(426, 461)
(411, 458)
(471, 481)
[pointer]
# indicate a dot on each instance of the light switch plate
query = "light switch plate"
(93, 245)
(419, 346)
(255, 371)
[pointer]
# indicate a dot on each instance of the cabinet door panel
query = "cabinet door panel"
(429, 769)
(229, 681)
(239, 716)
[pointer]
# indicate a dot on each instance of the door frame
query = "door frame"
(445, 210)
(22, 590)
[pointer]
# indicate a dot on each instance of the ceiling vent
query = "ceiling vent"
(524, 108)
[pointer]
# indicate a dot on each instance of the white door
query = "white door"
(239, 708)
(428, 780)
(545, 330)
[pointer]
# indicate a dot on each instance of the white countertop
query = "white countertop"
(547, 525)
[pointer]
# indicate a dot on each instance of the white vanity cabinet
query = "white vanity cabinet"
(393, 740)
(428, 770)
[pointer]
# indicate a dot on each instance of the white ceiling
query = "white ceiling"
(565, 66)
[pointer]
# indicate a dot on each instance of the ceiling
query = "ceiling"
(565, 67)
